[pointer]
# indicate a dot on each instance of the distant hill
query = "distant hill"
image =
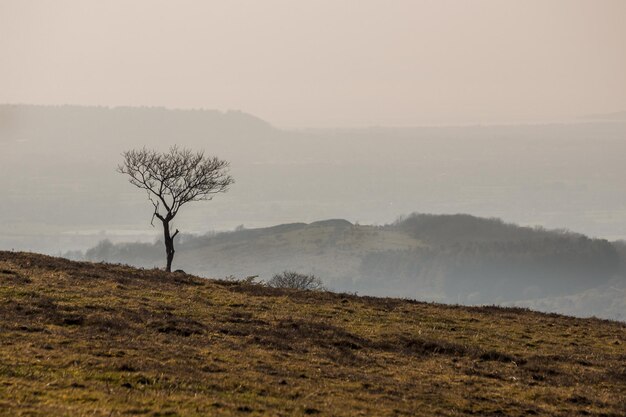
(332, 249)
(449, 258)
(457, 228)
(618, 116)
(61, 192)
(102, 340)
(76, 125)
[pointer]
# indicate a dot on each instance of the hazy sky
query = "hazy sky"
(303, 63)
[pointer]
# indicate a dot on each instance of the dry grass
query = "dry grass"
(82, 339)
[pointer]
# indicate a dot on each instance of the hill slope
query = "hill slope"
(108, 340)
(332, 249)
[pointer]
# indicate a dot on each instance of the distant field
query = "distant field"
(83, 339)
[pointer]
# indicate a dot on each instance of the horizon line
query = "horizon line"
(592, 118)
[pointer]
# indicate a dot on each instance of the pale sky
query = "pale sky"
(298, 63)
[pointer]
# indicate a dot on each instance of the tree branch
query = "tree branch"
(175, 178)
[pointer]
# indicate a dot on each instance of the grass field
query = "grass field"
(83, 339)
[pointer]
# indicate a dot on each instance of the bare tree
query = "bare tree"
(291, 279)
(173, 179)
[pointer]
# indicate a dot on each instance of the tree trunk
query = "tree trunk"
(169, 245)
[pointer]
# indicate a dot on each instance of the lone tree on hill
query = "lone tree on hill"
(173, 179)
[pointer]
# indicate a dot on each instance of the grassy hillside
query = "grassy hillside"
(82, 339)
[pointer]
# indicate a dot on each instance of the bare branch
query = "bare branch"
(156, 208)
(176, 177)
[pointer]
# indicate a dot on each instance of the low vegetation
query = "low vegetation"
(296, 280)
(85, 339)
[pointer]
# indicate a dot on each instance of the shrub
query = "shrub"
(291, 279)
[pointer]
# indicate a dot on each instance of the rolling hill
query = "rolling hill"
(445, 258)
(79, 338)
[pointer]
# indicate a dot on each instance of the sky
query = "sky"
(322, 63)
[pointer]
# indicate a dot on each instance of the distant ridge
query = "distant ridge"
(227, 113)
(618, 116)
(32, 121)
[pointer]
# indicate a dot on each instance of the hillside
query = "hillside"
(109, 340)
(333, 249)
(446, 258)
